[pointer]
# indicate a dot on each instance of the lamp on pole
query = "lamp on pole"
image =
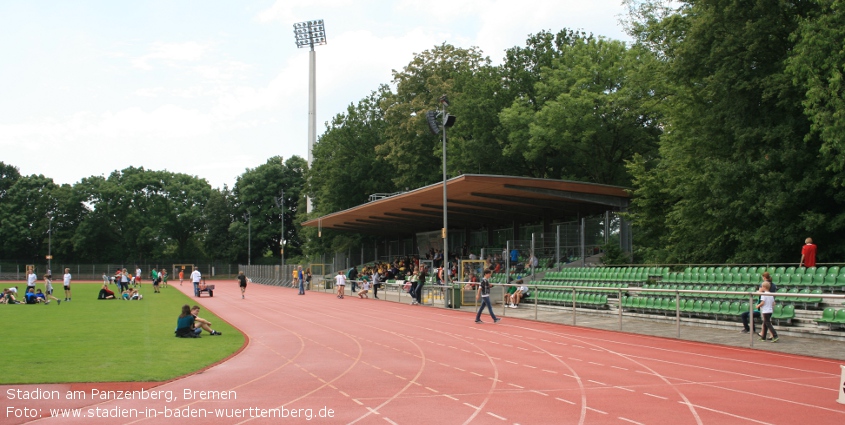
(249, 238)
(280, 202)
(310, 34)
(435, 127)
(50, 244)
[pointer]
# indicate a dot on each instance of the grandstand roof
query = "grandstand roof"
(477, 201)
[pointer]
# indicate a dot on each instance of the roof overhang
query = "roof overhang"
(477, 201)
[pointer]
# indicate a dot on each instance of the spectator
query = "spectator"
(308, 277)
(185, 324)
(376, 283)
(105, 293)
(423, 275)
(808, 254)
(340, 280)
(181, 276)
(66, 283)
(300, 278)
(766, 306)
(365, 288)
(30, 280)
(200, 323)
(519, 293)
(352, 276)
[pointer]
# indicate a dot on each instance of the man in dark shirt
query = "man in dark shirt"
(483, 292)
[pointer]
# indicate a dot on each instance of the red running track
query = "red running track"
(376, 362)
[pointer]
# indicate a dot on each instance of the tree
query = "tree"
(346, 168)
(412, 152)
(589, 111)
(255, 192)
(738, 177)
(24, 217)
(816, 65)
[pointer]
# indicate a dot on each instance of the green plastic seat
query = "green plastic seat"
(839, 317)
(698, 306)
(833, 271)
(828, 316)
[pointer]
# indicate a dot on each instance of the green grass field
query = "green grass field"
(88, 340)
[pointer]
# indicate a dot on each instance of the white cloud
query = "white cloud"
(170, 53)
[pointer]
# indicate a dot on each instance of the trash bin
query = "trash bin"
(455, 297)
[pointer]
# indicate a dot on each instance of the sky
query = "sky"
(211, 88)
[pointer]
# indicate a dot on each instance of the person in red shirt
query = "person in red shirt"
(808, 254)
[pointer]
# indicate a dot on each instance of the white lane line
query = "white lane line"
(511, 362)
(496, 416)
(402, 378)
(539, 392)
(633, 422)
(725, 413)
(644, 372)
(474, 407)
(617, 367)
(344, 394)
(566, 374)
(565, 401)
(528, 365)
(596, 382)
(577, 360)
(514, 385)
(448, 396)
(626, 389)
(476, 374)
(457, 368)
(389, 421)
(597, 349)
(432, 389)
(372, 411)
(356, 400)
(597, 410)
(577, 346)
(597, 364)
(520, 348)
(550, 371)
(656, 396)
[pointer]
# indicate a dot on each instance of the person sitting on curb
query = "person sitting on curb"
(201, 323)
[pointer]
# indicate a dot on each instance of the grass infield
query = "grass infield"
(89, 340)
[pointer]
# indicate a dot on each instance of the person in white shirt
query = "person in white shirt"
(340, 279)
(138, 275)
(30, 279)
(767, 306)
(67, 283)
(365, 288)
(195, 278)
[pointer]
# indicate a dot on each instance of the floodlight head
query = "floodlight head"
(443, 99)
(449, 121)
(431, 117)
(309, 33)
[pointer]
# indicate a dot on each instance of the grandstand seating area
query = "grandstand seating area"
(726, 299)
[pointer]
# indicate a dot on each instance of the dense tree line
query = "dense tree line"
(137, 215)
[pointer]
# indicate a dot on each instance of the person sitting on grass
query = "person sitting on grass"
(42, 298)
(134, 295)
(10, 295)
(201, 323)
(185, 324)
(105, 293)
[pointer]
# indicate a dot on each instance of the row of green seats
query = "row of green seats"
(563, 297)
(723, 309)
(816, 271)
(807, 302)
(608, 285)
(831, 317)
(807, 280)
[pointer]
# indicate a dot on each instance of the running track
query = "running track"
(376, 362)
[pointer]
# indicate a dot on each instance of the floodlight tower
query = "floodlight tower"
(309, 34)
(435, 127)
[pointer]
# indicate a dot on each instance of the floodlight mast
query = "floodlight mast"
(444, 102)
(309, 34)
